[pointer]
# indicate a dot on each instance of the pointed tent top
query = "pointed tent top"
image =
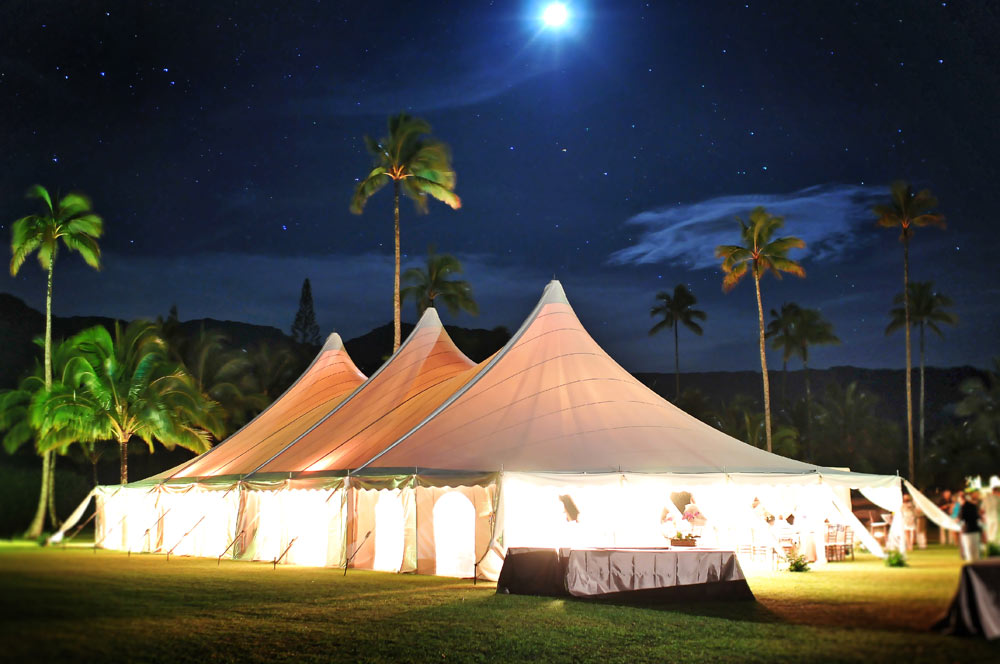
(553, 293)
(333, 342)
(429, 318)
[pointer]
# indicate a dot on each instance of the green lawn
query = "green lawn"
(73, 604)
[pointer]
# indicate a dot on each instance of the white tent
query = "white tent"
(437, 465)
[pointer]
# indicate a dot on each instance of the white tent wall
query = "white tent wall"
(450, 530)
(636, 510)
(389, 515)
(127, 519)
(195, 520)
(302, 526)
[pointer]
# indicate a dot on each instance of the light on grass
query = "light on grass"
(555, 15)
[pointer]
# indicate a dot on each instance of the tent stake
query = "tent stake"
(79, 528)
(350, 558)
(183, 536)
(284, 552)
(157, 521)
(238, 535)
(105, 535)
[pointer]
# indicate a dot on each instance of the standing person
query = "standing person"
(993, 517)
(971, 533)
(909, 521)
(945, 504)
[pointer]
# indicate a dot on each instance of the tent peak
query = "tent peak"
(333, 342)
(554, 293)
(429, 318)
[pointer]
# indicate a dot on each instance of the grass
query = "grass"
(73, 604)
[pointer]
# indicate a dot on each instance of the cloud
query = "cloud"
(825, 216)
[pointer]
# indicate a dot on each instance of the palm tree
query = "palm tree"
(908, 211)
(741, 419)
(927, 309)
(127, 386)
(223, 374)
(417, 165)
(16, 416)
(427, 285)
(676, 310)
(980, 406)
(275, 367)
(810, 329)
(851, 428)
(781, 331)
(73, 222)
(760, 254)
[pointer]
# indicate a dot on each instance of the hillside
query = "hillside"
(19, 323)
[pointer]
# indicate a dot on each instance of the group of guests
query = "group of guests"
(978, 514)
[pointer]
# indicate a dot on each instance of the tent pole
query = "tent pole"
(493, 528)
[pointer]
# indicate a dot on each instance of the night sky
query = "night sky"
(221, 142)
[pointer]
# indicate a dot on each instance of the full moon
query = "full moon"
(555, 14)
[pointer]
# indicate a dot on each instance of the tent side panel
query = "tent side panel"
(425, 499)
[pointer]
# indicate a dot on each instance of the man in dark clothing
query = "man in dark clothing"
(968, 516)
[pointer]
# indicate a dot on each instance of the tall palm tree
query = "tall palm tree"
(781, 331)
(759, 254)
(427, 285)
(73, 223)
(810, 329)
(127, 386)
(417, 165)
(907, 211)
(927, 309)
(677, 310)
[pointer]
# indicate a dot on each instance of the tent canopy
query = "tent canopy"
(550, 400)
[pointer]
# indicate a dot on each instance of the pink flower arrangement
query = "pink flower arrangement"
(691, 516)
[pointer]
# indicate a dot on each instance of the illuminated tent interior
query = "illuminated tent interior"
(437, 465)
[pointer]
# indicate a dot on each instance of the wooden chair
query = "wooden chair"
(848, 541)
(832, 550)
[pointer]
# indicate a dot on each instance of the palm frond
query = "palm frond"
(374, 181)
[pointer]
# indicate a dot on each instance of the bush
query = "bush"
(797, 562)
(992, 549)
(895, 559)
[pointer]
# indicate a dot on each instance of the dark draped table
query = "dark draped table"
(975, 611)
(627, 574)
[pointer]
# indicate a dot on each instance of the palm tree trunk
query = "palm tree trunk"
(677, 366)
(909, 382)
(38, 522)
(763, 363)
(397, 336)
(920, 449)
(53, 519)
(48, 327)
(34, 531)
(123, 451)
